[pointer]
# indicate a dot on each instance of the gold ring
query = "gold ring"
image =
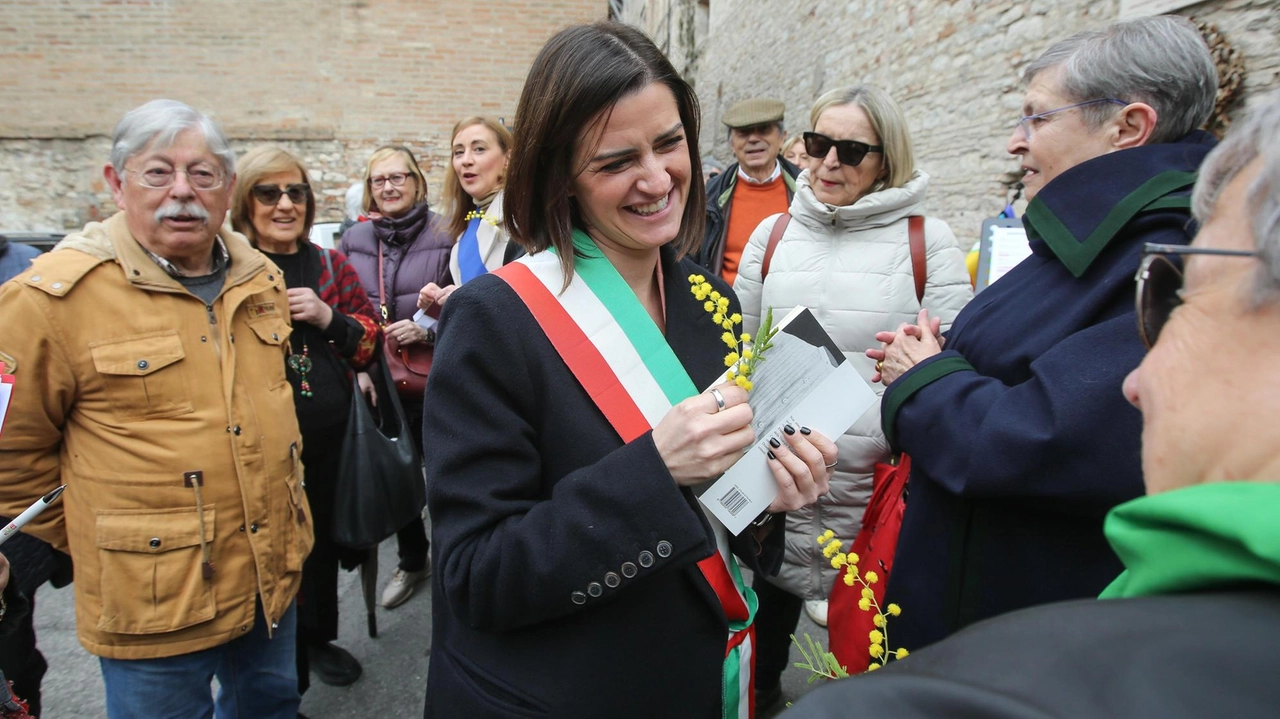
(719, 398)
(880, 366)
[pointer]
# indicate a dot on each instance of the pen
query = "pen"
(31, 513)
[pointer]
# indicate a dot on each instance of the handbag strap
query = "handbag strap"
(779, 228)
(915, 237)
(382, 287)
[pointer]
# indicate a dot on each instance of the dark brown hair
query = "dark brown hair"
(457, 203)
(576, 79)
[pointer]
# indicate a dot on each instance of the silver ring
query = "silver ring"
(719, 398)
(832, 465)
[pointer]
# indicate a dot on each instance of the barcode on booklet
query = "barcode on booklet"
(734, 501)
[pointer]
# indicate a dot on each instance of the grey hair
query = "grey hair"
(1257, 137)
(159, 122)
(354, 201)
(1161, 61)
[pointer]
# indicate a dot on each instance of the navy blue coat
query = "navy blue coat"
(1019, 436)
(534, 500)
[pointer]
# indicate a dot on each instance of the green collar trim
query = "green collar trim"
(1042, 223)
(1198, 538)
(902, 390)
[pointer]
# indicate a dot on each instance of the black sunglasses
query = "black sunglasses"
(849, 152)
(270, 194)
(1160, 284)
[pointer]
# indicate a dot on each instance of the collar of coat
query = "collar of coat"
(730, 175)
(111, 241)
(1082, 210)
(1202, 537)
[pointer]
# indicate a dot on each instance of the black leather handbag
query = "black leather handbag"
(381, 487)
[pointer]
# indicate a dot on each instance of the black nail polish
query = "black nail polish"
(788, 429)
(772, 455)
(806, 431)
(773, 442)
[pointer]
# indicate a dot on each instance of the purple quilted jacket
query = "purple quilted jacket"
(415, 251)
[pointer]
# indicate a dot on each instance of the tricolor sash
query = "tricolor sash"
(602, 332)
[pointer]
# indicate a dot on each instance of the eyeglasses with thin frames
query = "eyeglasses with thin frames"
(397, 179)
(1159, 280)
(1025, 123)
(161, 178)
(271, 194)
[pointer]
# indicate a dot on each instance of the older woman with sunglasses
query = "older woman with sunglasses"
(846, 252)
(1019, 436)
(334, 335)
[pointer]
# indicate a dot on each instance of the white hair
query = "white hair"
(1162, 61)
(1257, 137)
(355, 201)
(158, 123)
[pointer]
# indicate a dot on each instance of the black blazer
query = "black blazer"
(537, 507)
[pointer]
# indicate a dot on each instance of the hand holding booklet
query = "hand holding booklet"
(805, 381)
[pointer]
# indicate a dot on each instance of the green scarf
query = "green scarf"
(1199, 538)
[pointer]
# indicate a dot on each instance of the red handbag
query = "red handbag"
(408, 364)
(848, 626)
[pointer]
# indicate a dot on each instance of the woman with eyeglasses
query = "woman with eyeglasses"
(1019, 436)
(473, 184)
(335, 333)
(403, 249)
(846, 254)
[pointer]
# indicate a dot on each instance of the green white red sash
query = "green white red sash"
(614, 349)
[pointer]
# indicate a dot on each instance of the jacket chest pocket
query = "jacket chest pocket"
(143, 375)
(272, 332)
(151, 576)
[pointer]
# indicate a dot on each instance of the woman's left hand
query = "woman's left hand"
(406, 332)
(907, 347)
(802, 467)
(306, 306)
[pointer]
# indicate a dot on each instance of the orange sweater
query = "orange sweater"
(750, 205)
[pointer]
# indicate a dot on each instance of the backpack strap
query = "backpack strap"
(779, 228)
(915, 236)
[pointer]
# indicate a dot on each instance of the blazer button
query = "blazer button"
(612, 580)
(594, 589)
(578, 598)
(646, 559)
(664, 549)
(628, 570)
(155, 542)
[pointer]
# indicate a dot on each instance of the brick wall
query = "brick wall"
(953, 65)
(328, 79)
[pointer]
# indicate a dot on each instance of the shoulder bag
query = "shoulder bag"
(381, 487)
(408, 364)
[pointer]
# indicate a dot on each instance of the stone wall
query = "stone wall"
(952, 64)
(328, 79)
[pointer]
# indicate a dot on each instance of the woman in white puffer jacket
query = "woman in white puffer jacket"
(846, 256)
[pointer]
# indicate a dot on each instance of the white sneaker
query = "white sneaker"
(402, 585)
(817, 611)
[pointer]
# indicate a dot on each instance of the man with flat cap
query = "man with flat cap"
(758, 185)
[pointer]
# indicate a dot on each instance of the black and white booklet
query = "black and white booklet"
(805, 380)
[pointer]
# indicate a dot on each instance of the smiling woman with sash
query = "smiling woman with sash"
(567, 431)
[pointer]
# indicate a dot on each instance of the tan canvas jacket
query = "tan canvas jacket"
(172, 423)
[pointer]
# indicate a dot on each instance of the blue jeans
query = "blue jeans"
(258, 677)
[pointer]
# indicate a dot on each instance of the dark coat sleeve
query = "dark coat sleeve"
(1066, 433)
(531, 494)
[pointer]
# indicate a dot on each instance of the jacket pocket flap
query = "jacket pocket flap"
(272, 330)
(151, 531)
(139, 355)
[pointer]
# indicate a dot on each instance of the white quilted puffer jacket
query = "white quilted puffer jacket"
(851, 266)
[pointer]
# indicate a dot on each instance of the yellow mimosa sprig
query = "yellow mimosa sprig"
(743, 354)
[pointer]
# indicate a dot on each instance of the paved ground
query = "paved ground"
(395, 663)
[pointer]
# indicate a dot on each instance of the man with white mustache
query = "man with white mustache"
(149, 353)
